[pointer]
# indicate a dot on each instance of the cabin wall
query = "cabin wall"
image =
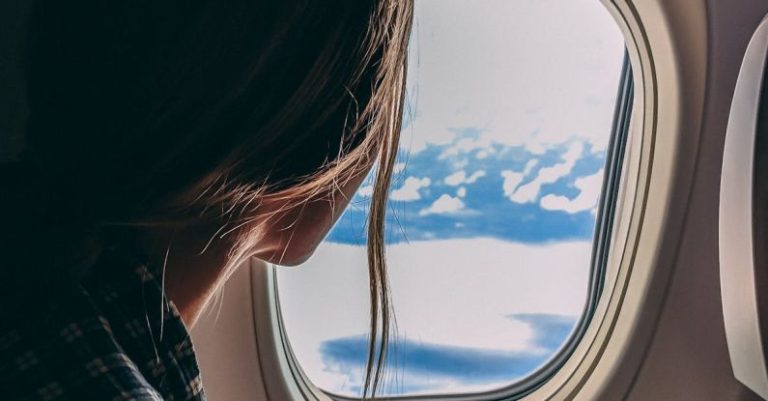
(688, 356)
(225, 344)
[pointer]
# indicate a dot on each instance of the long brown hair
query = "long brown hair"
(133, 104)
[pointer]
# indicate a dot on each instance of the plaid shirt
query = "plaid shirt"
(115, 337)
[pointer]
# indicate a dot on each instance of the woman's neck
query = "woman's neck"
(195, 267)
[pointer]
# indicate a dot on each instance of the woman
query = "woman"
(168, 142)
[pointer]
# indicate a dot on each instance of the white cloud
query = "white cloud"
(445, 204)
(461, 192)
(589, 193)
(547, 175)
(399, 167)
(475, 176)
(410, 189)
(365, 191)
(460, 164)
(535, 147)
(460, 177)
(530, 165)
(456, 178)
(466, 145)
(512, 179)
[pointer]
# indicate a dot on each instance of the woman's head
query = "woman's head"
(258, 116)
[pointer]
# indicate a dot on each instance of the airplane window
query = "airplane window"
(508, 139)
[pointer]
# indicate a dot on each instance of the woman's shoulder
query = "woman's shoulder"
(114, 336)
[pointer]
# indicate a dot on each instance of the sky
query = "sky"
(493, 206)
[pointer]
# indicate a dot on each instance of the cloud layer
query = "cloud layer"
(417, 367)
(451, 294)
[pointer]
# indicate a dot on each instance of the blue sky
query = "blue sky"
(509, 109)
(482, 194)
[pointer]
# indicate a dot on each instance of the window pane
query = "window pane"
(492, 210)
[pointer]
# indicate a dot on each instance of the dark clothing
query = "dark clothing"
(115, 336)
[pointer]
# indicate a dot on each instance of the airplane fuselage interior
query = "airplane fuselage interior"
(299, 200)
